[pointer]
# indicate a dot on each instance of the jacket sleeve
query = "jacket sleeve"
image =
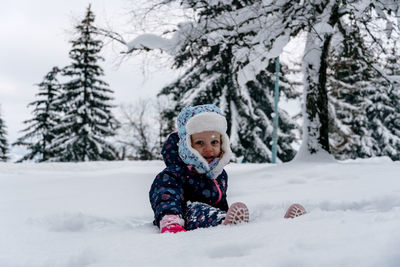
(167, 194)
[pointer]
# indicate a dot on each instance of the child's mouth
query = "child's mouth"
(208, 158)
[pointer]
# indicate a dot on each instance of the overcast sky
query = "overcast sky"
(34, 38)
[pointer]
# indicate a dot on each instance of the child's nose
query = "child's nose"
(208, 148)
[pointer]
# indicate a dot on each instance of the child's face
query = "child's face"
(208, 144)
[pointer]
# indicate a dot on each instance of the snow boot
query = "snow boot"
(295, 210)
(237, 213)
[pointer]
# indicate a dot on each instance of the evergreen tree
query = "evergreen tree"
(350, 78)
(260, 30)
(40, 131)
(383, 109)
(256, 33)
(250, 129)
(87, 120)
(3, 141)
(212, 78)
(364, 121)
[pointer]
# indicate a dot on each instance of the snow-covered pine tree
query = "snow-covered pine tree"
(349, 79)
(321, 20)
(3, 141)
(383, 109)
(342, 114)
(212, 78)
(273, 24)
(39, 133)
(251, 135)
(87, 121)
(363, 105)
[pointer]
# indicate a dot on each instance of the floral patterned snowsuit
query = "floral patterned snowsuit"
(179, 189)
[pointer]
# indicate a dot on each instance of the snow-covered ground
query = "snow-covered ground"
(98, 214)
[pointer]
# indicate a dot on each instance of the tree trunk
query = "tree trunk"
(315, 130)
(315, 112)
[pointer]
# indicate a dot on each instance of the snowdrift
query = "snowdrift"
(98, 214)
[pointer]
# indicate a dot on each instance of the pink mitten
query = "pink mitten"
(172, 224)
(173, 229)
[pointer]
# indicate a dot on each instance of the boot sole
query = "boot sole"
(237, 213)
(295, 210)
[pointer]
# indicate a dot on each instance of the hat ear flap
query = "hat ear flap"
(225, 157)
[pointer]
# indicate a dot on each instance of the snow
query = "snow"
(151, 41)
(169, 45)
(98, 214)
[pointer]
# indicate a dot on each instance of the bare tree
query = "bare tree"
(138, 136)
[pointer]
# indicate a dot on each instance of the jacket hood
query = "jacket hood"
(170, 151)
(198, 119)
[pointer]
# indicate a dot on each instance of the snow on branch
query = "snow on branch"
(147, 42)
(151, 41)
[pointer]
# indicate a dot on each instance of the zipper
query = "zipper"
(219, 191)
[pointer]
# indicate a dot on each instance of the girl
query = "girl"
(190, 192)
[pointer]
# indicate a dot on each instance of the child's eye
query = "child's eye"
(214, 142)
(199, 143)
